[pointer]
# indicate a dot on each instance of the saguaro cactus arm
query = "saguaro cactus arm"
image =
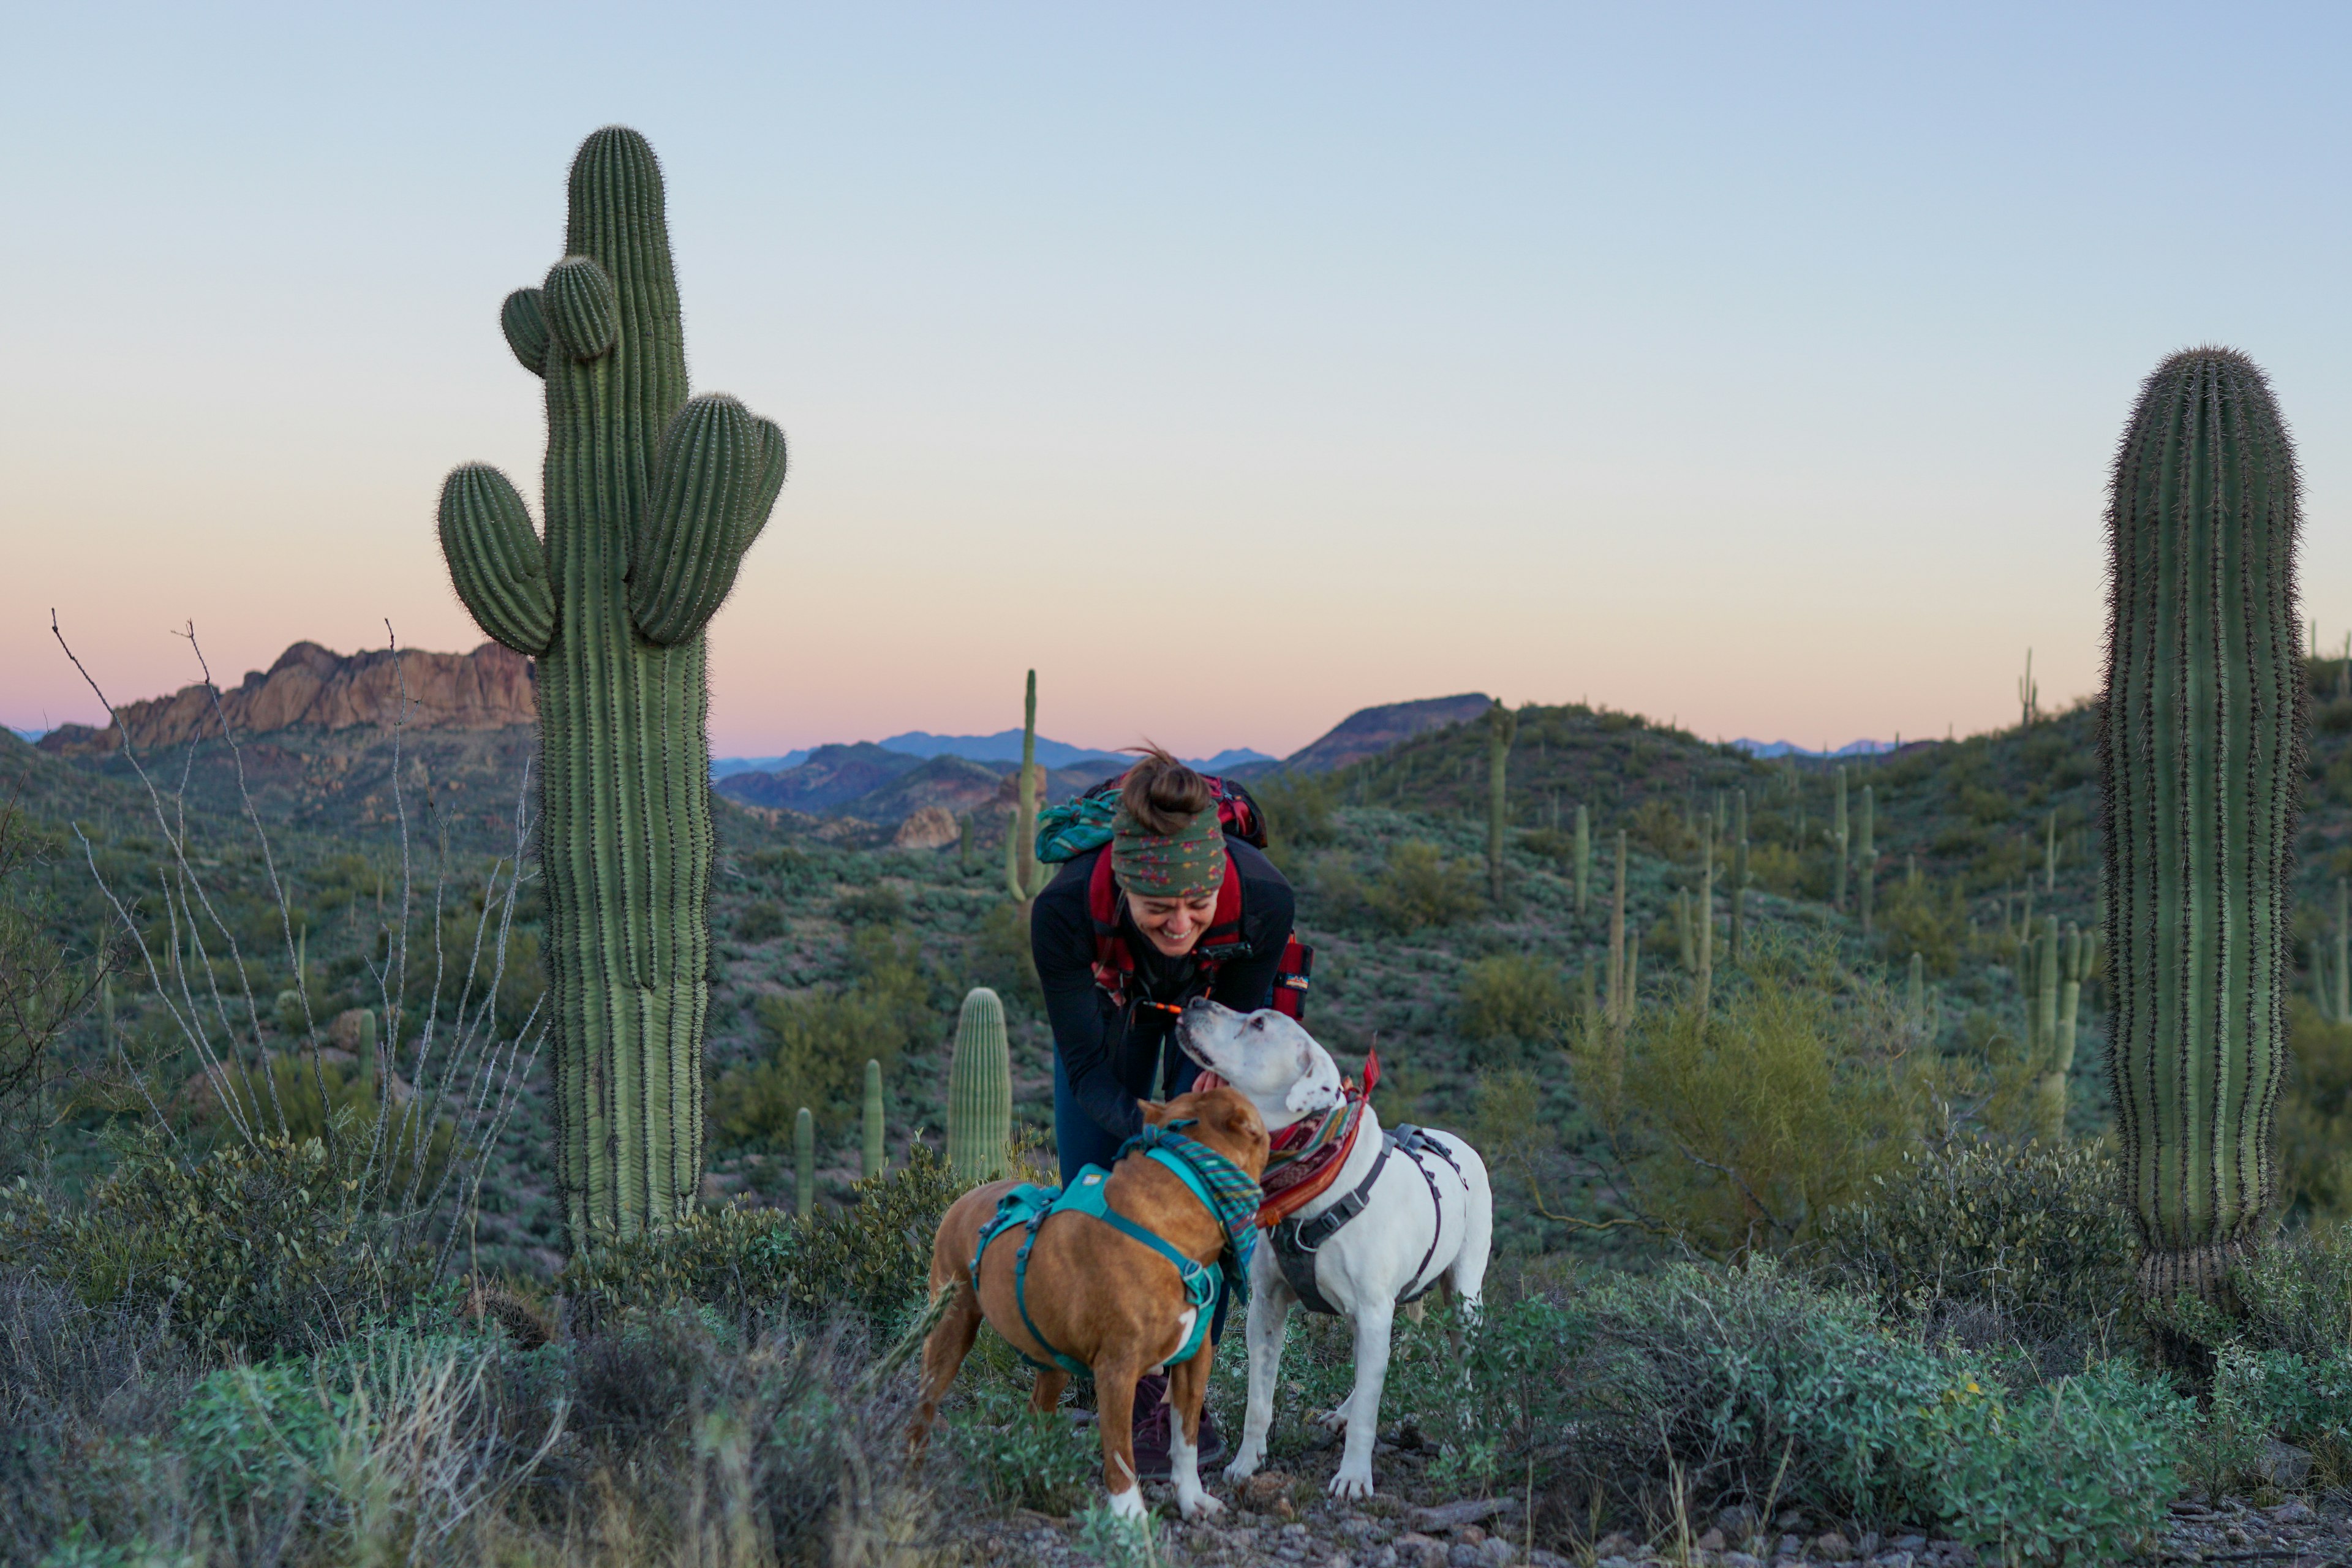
(495, 560)
(721, 467)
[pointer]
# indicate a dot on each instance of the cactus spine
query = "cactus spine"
(873, 1152)
(980, 1090)
(1838, 836)
(1584, 853)
(2202, 757)
(1502, 729)
(1024, 877)
(651, 501)
(804, 1163)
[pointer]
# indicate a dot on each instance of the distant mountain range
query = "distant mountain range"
(1790, 749)
(1004, 746)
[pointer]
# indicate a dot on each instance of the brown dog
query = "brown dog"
(1100, 1297)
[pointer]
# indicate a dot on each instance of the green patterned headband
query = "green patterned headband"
(1184, 864)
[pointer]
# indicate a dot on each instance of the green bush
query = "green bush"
(1018, 1457)
(872, 1259)
(1420, 887)
(254, 1250)
(820, 1042)
(2315, 1115)
(1298, 807)
(2036, 1234)
(760, 920)
(880, 905)
(1511, 1001)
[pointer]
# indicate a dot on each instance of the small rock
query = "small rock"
(1461, 1555)
(1495, 1552)
(1893, 1559)
(2283, 1466)
(1739, 1522)
(1790, 1518)
(1616, 1543)
(1470, 1534)
(1415, 1549)
(1711, 1542)
(1790, 1547)
(1262, 1488)
(1833, 1546)
(1910, 1543)
(1866, 1544)
(1543, 1559)
(2291, 1513)
(1740, 1560)
(1381, 1557)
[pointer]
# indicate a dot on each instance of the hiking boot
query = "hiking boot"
(1152, 1460)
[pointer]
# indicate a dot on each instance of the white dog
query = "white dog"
(1407, 1211)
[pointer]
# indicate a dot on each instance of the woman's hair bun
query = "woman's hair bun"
(1162, 794)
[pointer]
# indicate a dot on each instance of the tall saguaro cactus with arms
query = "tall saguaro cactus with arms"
(652, 497)
(2202, 757)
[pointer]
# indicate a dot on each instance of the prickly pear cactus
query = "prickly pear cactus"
(651, 501)
(2202, 759)
(980, 1090)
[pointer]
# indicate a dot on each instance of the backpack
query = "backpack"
(1066, 831)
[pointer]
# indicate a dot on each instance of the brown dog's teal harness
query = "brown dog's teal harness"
(1226, 1190)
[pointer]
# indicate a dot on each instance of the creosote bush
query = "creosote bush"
(1420, 887)
(819, 1042)
(1510, 1002)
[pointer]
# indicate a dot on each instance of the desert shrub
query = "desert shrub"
(1778, 869)
(1420, 887)
(1298, 810)
(819, 1043)
(760, 920)
(1664, 827)
(2036, 1235)
(1018, 1457)
(258, 1248)
(871, 1259)
(1913, 917)
(879, 905)
(1510, 1002)
(1737, 1128)
(2315, 1115)
(1003, 959)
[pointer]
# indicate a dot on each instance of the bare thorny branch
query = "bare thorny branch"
(461, 1064)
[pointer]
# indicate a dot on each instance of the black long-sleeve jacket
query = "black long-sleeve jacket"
(1115, 1055)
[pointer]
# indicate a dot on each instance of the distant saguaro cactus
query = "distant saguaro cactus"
(980, 1090)
(1024, 879)
(1838, 838)
(1584, 853)
(1706, 917)
(1618, 1010)
(804, 1163)
(1502, 729)
(651, 501)
(1867, 856)
(2055, 1056)
(873, 1150)
(2202, 747)
(1739, 878)
(2029, 695)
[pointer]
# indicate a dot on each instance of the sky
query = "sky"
(1234, 366)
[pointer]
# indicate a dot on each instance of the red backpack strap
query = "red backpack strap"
(1113, 962)
(1291, 978)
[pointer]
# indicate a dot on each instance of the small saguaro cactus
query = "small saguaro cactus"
(1865, 860)
(804, 1163)
(2050, 1086)
(1502, 729)
(1584, 853)
(1684, 947)
(873, 1150)
(2202, 747)
(980, 1090)
(2074, 968)
(651, 501)
(1024, 879)
(2050, 853)
(2029, 695)
(1739, 879)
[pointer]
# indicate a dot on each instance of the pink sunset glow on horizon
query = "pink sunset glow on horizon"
(1235, 371)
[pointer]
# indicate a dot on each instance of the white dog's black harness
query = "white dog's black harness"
(1296, 1241)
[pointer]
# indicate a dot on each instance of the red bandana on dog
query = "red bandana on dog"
(1306, 1155)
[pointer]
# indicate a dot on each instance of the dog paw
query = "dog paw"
(1128, 1504)
(1200, 1505)
(1243, 1466)
(1345, 1485)
(1335, 1420)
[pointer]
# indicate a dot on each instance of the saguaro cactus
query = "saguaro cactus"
(1865, 859)
(1584, 853)
(803, 1163)
(1838, 838)
(2201, 756)
(1502, 729)
(1618, 1010)
(1739, 878)
(980, 1090)
(2054, 1055)
(1024, 879)
(651, 501)
(873, 1152)
(1707, 916)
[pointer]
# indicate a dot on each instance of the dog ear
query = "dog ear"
(1154, 1112)
(1317, 1087)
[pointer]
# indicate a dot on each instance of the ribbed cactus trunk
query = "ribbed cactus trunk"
(804, 1163)
(1502, 729)
(2054, 1057)
(2202, 754)
(980, 1090)
(1022, 874)
(2050, 853)
(873, 1150)
(1583, 854)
